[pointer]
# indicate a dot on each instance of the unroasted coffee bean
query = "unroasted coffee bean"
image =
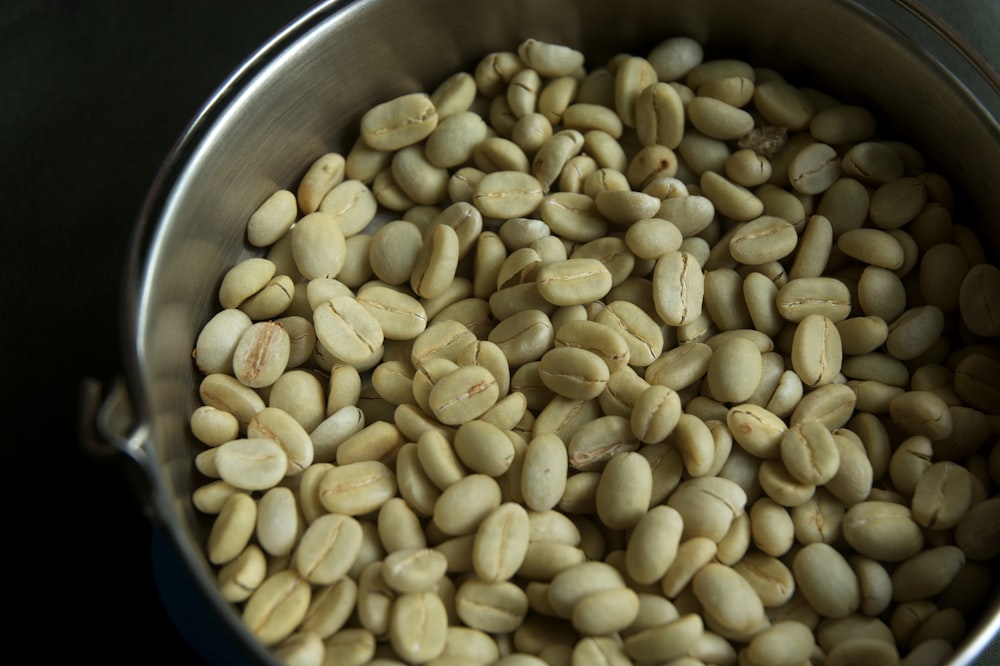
(976, 533)
(734, 370)
(883, 531)
(572, 584)
(261, 355)
(653, 545)
(978, 290)
(491, 607)
(709, 505)
(766, 238)
(927, 573)
(278, 425)
(942, 496)
(251, 464)
(731, 606)
(810, 453)
(418, 626)
(507, 194)
(400, 122)
(357, 488)
(655, 414)
(596, 442)
(641, 332)
(484, 448)
(814, 169)
(276, 607)
(272, 300)
(328, 548)
(232, 529)
(624, 490)
(827, 580)
(347, 330)
(574, 281)
(463, 394)
(466, 503)
(501, 543)
(826, 296)
(678, 288)
(817, 351)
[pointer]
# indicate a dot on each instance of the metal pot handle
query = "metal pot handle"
(108, 434)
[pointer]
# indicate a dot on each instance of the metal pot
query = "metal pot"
(302, 94)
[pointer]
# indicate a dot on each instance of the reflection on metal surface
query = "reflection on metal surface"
(959, 43)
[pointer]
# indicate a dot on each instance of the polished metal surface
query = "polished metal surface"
(303, 94)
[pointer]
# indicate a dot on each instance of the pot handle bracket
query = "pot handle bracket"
(108, 433)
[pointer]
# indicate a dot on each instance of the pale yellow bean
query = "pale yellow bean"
(328, 548)
(624, 490)
(491, 607)
(708, 505)
(826, 580)
(763, 239)
(678, 288)
(653, 544)
(418, 626)
(276, 608)
(883, 530)
(465, 504)
(357, 488)
(399, 122)
(731, 606)
(261, 354)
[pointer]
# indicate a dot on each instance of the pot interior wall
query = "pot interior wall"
(308, 99)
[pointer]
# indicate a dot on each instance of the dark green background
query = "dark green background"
(93, 94)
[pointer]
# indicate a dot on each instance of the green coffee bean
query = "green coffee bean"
(978, 288)
(675, 57)
(277, 606)
(730, 199)
(549, 59)
(418, 626)
(784, 642)
(653, 544)
(483, 448)
(463, 395)
(400, 122)
(347, 329)
(783, 104)
(769, 577)
(814, 168)
(826, 580)
(803, 296)
(690, 214)
(883, 531)
(976, 533)
(491, 607)
(598, 441)
(552, 156)
(574, 281)
(709, 505)
(731, 606)
(817, 354)
(810, 453)
(465, 504)
(678, 288)
(328, 548)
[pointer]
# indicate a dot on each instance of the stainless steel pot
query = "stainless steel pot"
(303, 93)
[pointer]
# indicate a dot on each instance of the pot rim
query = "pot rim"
(950, 48)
